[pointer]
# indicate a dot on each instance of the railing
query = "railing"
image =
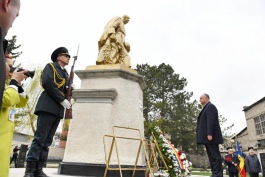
(143, 144)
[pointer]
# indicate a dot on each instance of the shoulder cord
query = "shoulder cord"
(55, 73)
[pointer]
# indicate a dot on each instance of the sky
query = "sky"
(218, 46)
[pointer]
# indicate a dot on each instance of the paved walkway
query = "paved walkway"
(51, 172)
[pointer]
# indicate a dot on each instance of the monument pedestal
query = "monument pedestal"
(110, 95)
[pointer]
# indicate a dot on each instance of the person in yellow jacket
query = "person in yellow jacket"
(13, 97)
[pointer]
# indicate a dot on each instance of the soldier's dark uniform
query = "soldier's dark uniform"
(54, 80)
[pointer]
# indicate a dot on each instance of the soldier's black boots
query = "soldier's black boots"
(30, 169)
(39, 172)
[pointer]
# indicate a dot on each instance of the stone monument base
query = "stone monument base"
(110, 96)
(95, 170)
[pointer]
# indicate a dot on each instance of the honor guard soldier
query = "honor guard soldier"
(50, 109)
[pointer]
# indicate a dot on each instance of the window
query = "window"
(260, 124)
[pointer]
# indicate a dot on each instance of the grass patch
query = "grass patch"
(201, 173)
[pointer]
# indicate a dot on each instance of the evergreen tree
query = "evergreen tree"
(165, 97)
(12, 46)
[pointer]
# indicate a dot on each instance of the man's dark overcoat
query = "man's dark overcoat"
(51, 97)
(231, 167)
(253, 164)
(208, 124)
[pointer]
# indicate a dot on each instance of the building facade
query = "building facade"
(255, 119)
(242, 138)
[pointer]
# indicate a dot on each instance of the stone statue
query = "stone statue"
(112, 47)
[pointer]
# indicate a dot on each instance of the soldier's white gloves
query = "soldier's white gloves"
(66, 104)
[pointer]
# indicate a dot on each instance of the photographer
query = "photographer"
(15, 154)
(13, 97)
(9, 10)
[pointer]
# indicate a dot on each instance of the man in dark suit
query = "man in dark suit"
(232, 162)
(50, 109)
(209, 134)
(9, 10)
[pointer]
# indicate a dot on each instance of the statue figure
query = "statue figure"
(112, 47)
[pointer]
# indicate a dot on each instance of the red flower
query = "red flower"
(179, 152)
(228, 159)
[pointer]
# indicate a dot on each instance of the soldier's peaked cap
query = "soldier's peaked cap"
(229, 148)
(59, 51)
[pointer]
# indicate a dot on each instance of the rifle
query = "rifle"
(68, 112)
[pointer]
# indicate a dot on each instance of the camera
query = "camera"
(28, 74)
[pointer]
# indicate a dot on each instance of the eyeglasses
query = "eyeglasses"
(65, 55)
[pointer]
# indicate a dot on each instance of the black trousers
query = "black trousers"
(214, 159)
(233, 174)
(14, 158)
(46, 128)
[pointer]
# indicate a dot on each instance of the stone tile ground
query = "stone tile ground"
(51, 172)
